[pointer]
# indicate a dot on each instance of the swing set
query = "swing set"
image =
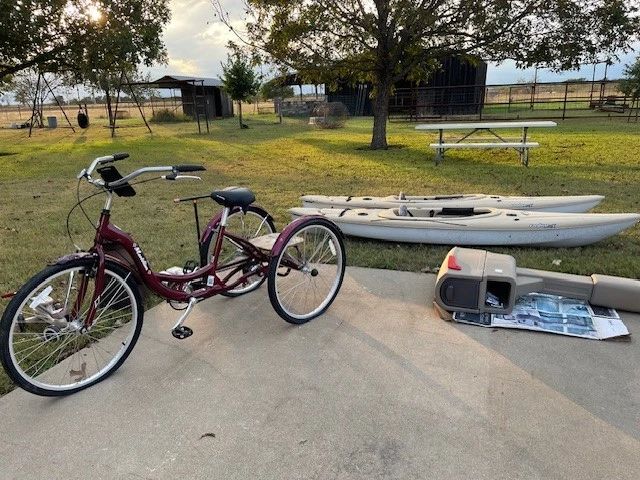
(36, 110)
(43, 85)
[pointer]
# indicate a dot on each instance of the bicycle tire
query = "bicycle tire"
(310, 271)
(96, 338)
(270, 228)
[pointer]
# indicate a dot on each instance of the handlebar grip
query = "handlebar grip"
(188, 168)
(120, 156)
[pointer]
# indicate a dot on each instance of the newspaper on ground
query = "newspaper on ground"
(553, 314)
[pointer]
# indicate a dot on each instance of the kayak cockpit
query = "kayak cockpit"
(404, 213)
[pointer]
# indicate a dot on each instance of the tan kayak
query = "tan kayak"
(567, 204)
(476, 226)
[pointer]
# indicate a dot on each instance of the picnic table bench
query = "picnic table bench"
(521, 145)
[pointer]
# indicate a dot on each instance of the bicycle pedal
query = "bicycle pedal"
(182, 332)
(189, 266)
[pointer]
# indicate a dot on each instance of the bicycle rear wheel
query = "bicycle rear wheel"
(44, 347)
(305, 277)
(254, 223)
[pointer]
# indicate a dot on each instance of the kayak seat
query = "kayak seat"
(234, 197)
(403, 211)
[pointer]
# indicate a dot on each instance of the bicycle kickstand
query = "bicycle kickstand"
(179, 331)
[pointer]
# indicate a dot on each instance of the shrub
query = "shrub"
(330, 115)
(164, 115)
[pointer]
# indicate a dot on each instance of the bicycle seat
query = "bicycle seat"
(233, 197)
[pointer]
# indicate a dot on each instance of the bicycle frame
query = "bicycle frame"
(108, 235)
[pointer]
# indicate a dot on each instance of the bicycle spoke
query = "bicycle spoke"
(37, 347)
(290, 291)
(43, 360)
(66, 298)
(57, 344)
(246, 225)
(121, 288)
(307, 289)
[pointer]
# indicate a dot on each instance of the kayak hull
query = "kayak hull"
(560, 204)
(490, 227)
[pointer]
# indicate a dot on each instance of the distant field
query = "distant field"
(20, 113)
(281, 162)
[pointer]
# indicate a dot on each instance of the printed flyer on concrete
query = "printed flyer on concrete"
(553, 314)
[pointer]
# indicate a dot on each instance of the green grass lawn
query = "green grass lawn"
(281, 162)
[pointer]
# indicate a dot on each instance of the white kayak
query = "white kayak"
(476, 226)
(567, 204)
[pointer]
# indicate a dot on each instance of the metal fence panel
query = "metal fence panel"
(512, 101)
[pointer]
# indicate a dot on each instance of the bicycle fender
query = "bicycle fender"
(108, 257)
(72, 256)
(280, 242)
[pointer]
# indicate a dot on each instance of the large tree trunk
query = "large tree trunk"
(240, 112)
(380, 114)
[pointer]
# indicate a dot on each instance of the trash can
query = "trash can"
(52, 122)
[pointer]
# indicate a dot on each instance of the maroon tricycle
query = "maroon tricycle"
(75, 323)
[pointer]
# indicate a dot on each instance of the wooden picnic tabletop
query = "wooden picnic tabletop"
(490, 125)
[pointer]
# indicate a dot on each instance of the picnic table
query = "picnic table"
(521, 145)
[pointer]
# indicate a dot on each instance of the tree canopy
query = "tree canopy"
(6, 84)
(630, 85)
(383, 41)
(239, 80)
(275, 89)
(76, 35)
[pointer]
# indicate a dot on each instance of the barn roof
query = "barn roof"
(176, 81)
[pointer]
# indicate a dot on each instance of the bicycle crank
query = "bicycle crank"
(179, 331)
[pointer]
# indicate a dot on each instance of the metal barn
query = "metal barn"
(457, 88)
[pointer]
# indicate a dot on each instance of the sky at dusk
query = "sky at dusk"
(196, 46)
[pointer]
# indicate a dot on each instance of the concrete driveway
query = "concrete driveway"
(378, 387)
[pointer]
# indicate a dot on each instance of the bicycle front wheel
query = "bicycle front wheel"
(305, 277)
(44, 347)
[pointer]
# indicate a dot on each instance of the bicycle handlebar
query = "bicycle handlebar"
(86, 173)
(135, 173)
(173, 169)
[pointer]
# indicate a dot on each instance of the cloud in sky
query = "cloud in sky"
(184, 66)
(195, 40)
(196, 44)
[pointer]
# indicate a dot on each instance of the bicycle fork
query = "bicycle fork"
(97, 293)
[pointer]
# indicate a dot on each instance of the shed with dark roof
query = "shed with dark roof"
(202, 95)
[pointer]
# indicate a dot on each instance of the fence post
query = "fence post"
(564, 107)
(533, 95)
